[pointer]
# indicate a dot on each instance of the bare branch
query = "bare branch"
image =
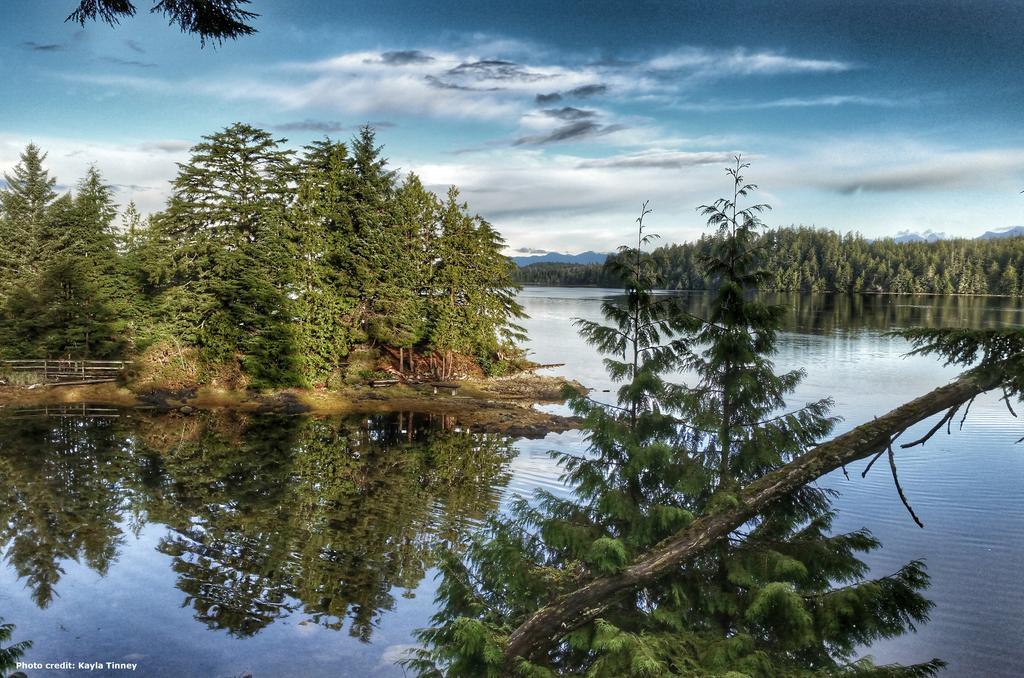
(1006, 399)
(968, 409)
(899, 488)
(945, 419)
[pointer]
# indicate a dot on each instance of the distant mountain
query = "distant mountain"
(935, 236)
(559, 258)
(1006, 232)
(926, 236)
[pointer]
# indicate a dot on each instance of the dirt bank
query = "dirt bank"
(503, 405)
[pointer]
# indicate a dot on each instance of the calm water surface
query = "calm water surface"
(223, 545)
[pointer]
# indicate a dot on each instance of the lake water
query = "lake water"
(222, 545)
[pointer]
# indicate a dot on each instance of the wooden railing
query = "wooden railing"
(77, 411)
(68, 371)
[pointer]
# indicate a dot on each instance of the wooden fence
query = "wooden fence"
(77, 411)
(68, 371)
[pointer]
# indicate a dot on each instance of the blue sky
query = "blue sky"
(557, 120)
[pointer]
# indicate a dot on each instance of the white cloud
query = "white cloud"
(556, 201)
(565, 202)
(711, 63)
(435, 83)
(471, 83)
(888, 164)
(662, 159)
(559, 197)
(167, 145)
(827, 101)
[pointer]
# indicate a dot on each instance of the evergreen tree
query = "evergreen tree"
(389, 297)
(226, 281)
(275, 267)
(473, 305)
(72, 306)
(782, 596)
(1008, 283)
(365, 248)
(10, 655)
(326, 293)
(130, 297)
(417, 215)
(23, 206)
(214, 20)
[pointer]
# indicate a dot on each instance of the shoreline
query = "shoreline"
(499, 405)
(824, 292)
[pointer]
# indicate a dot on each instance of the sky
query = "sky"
(558, 120)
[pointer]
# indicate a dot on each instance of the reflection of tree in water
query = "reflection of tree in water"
(267, 515)
(222, 493)
(827, 314)
(369, 510)
(61, 497)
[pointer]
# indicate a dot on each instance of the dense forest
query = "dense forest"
(802, 259)
(268, 267)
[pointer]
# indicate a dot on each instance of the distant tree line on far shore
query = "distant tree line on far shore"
(803, 259)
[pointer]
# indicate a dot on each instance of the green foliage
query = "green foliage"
(224, 282)
(982, 350)
(10, 655)
(68, 301)
(781, 596)
(214, 20)
(390, 264)
(325, 288)
(472, 296)
(802, 259)
(269, 265)
(23, 207)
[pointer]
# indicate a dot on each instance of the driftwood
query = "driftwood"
(377, 383)
(538, 366)
(585, 604)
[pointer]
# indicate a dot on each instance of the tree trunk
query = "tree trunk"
(585, 604)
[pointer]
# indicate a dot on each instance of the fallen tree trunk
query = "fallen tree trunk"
(585, 604)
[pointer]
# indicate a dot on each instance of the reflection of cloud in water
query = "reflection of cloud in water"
(393, 654)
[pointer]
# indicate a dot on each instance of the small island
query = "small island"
(274, 280)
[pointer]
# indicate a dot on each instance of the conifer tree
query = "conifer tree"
(806, 259)
(23, 204)
(226, 281)
(417, 214)
(274, 266)
(322, 236)
(389, 299)
(10, 655)
(782, 596)
(213, 20)
(473, 305)
(72, 306)
(129, 274)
